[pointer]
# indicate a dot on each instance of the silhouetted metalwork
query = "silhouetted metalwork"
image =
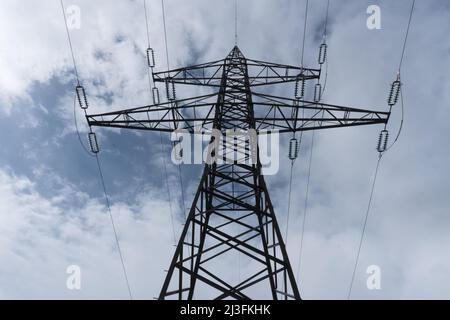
(232, 211)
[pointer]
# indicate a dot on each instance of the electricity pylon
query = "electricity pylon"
(232, 213)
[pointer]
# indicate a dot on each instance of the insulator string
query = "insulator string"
(401, 121)
(76, 127)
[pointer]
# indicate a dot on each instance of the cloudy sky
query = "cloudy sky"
(52, 210)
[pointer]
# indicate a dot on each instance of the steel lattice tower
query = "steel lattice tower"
(231, 212)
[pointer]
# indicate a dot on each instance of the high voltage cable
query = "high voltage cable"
(381, 154)
(146, 23)
(301, 132)
(165, 34)
(148, 43)
(304, 31)
(364, 226)
(407, 34)
(163, 160)
(305, 208)
(102, 178)
(308, 179)
(97, 160)
(399, 72)
(180, 177)
(69, 40)
(289, 203)
(326, 19)
(325, 35)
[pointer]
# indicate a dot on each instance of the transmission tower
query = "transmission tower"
(232, 212)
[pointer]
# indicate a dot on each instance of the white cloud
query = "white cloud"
(41, 236)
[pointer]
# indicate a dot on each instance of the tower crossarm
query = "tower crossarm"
(291, 115)
(271, 113)
(260, 73)
(188, 114)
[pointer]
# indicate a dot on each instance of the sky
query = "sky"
(53, 212)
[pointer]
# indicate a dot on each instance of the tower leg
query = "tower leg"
(221, 224)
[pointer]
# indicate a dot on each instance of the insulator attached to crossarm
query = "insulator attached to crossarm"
(82, 98)
(156, 98)
(394, 93)
(300, 88)
(323, 53)
(383, 141)
(317, 92)
(170, 90)
(151, 57)
(293, 149)
(93, 143)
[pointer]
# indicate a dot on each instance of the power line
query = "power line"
(305, 208)
(165, 34)
(407, 34)
(289, 203)
(304, 30)
(301, 133)
(326, 19)
(146, 23)
(308, 179)
(325, 34)
(102, 178)
(69, 41)
(148, 43)
(168, 68)
(364, 225)
(381, 154)
(163, 160)
(411, 13)
(96, 156)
